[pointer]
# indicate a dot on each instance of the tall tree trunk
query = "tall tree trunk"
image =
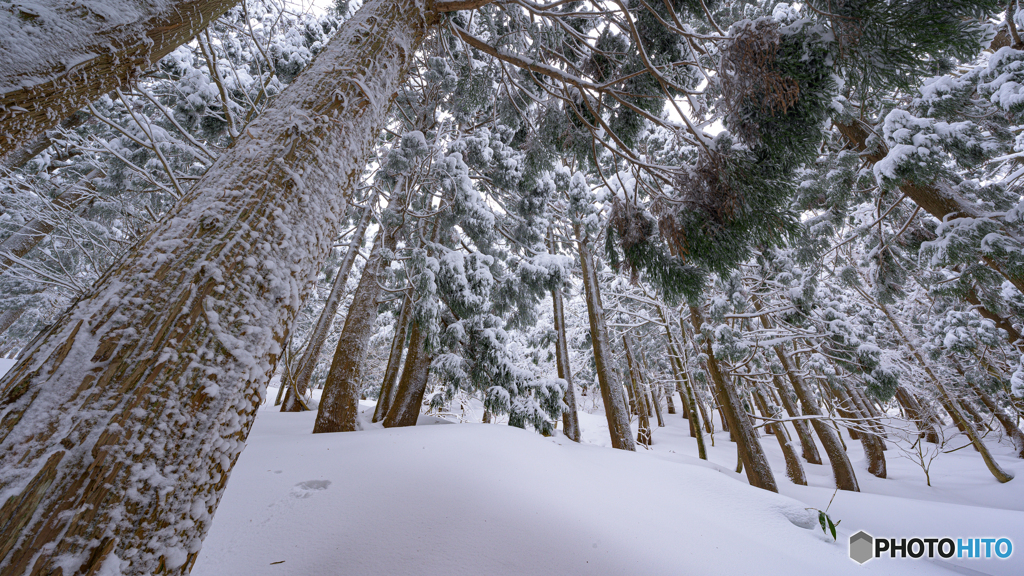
(614, 408)
(759, 472)
(916, 413)
(686, 397)
(570, 419)
(339, 403)
(40, 142)
(387, 387)
(643, 435)
(405, 408)
(323, 324)
(803, 429)
(161, 367)
(77, 55)
(9, 317)
(1005, 420)
(794, 468)
(947, 400)
(842, 468)
(872, 444)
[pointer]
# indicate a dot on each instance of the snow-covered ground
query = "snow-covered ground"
(489, 499)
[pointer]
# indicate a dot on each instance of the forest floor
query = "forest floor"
(494, 500)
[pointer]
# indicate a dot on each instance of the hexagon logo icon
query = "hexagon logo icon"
(861, 547)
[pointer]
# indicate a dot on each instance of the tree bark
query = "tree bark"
(387, 387)
(1005, 420)
(323, 324)
(405, 408)
(614, 408)
(872, 444)
(803, 429)
(570, 419)
(759, 472)
(643, 435)
(162, 366)
(339, 404)
(78, 54)
(794, 468)
(915, 412)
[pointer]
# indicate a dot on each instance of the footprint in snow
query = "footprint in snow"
(308, 488)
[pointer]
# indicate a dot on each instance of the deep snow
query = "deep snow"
(489, 499)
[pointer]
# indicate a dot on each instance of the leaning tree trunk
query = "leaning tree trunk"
(405, 408)
(570, 419)
(947, 399)
(915, 412)
(1005, 420)
(803, 429)
(794, 468)
(323, 324)
(387, 387)
(759, 472)
(874, 449)
(119, 428)
(62, 55)
(339, 403)
(614, 408)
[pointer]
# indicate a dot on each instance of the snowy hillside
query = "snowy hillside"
(492, 499)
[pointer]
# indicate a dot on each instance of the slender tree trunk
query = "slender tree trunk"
(9, 317)
(914, 412)
(803, 429)
(161, 367)
(34, 147)
(405, 408)
(794, 468)
(842, 468)
(387, 387)
(644, 435)
(873, 448)
(650, 389)
(323, 324)
(669, 401)
(1005, 420)
(614, 408)
(78, 55)
(339, 404)
(947, 400)
(570, 419)
(759, 472)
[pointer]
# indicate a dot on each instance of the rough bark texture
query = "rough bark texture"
(614, 407)
(387, 387)
(570, 419)
(874, 449)
(913, 410)
(405, 408)
(119, 428)
(323, 324)
(60, 56)
(35, 146)
(759, 472)
(339, 404)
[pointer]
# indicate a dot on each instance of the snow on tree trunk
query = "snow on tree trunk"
(873, 448)
(570, 420)
(339, 404)
(387, 387)
(323, 324)
(614, 406)
(119, 428)
(60, 56)
(405, 408)
(913, 411)
(9, 317)
(938, 199)
(803, 429)
(751, 454)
